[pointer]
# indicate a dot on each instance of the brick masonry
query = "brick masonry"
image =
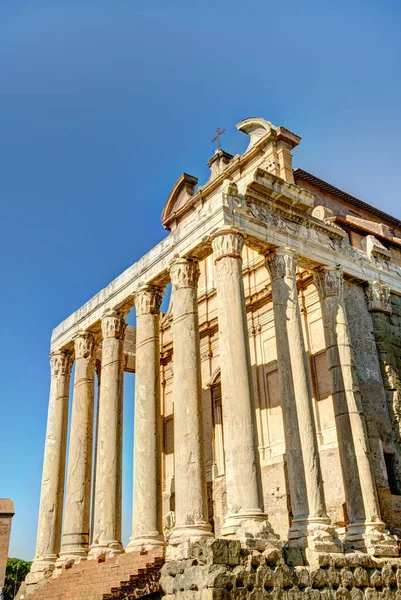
(6, 515)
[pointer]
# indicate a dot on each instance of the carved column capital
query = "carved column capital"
(85, 345)
(113, 324)
(227, 243)
(184, 273)
(148, 300)
(329, 282)
(378, 296)
(281, 263)
(61, 363)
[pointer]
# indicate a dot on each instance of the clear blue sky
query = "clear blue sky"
(104, 103)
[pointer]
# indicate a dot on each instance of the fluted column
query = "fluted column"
(191, 511)
(75, 543)
(366, 529)
(51, 498)
(245, 514)
(107, 521)
(147, 500)
(310, 525)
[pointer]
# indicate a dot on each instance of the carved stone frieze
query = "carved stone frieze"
(85, 345)
(227, 243)
(184, 272)
(148, 300)
(113, 325)
(281, 263)
(378, 296)
(61, 363)
(329, 282)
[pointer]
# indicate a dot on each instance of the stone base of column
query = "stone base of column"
(105, 550)
(316, 534)
(371, 537)
(42, 569)
(190, 533)
(252, 529)
(68, 558)
(145, 542)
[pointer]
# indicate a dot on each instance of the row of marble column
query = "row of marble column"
(310, 526)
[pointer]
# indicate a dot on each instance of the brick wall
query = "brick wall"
(6, 514)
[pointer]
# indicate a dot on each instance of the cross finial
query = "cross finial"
(219, 133)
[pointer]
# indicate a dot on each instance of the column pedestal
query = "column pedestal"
(366, 530)
(107, 520)
(191, 511)
(147, 500)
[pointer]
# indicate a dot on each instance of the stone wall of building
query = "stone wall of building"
(222, 570)
(387, 334)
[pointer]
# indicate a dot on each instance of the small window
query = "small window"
(391, 475)
(168, 436)
(322, 375)
(273, 388)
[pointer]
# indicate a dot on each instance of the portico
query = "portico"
(239, 250)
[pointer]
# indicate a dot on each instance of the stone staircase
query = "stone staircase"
(124, 577)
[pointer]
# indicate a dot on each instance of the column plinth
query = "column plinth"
(366, 530)
(107, 504)
(191, 511)
(147, 498)
(245, 517)
(75, 542)
(52, 492)
(310, 527)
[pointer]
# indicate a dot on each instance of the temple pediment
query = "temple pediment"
(181, 192)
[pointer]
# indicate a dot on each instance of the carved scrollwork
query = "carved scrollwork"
(281, 263)
(61, 363)
(184, 272)
(329, 282)
(113, 325)
(85, 345)
(378, 295)
(227, 244)
(148, 300)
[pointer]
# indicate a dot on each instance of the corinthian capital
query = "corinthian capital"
(61, 363)
(85, 345)
(184, 272)
(281, 263)
(148, 300)
(378, 295)
(113, 325)
(227, 243)
(329, 282)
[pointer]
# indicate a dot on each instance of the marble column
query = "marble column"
(245, 515)
(310, 525)
(75, 542)
(107, 520)
(147, 501)
(191, 509)
(365, 530)
(52, 494)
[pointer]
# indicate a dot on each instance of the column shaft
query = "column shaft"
(310, 525)
(51, 498)
(243, 477)
(365, 528)
(107, 521)
(191, 510)
(147, 497)
(77, 505)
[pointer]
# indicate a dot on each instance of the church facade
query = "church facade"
(267, 397)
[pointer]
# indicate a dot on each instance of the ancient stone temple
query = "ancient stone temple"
(267, 458)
